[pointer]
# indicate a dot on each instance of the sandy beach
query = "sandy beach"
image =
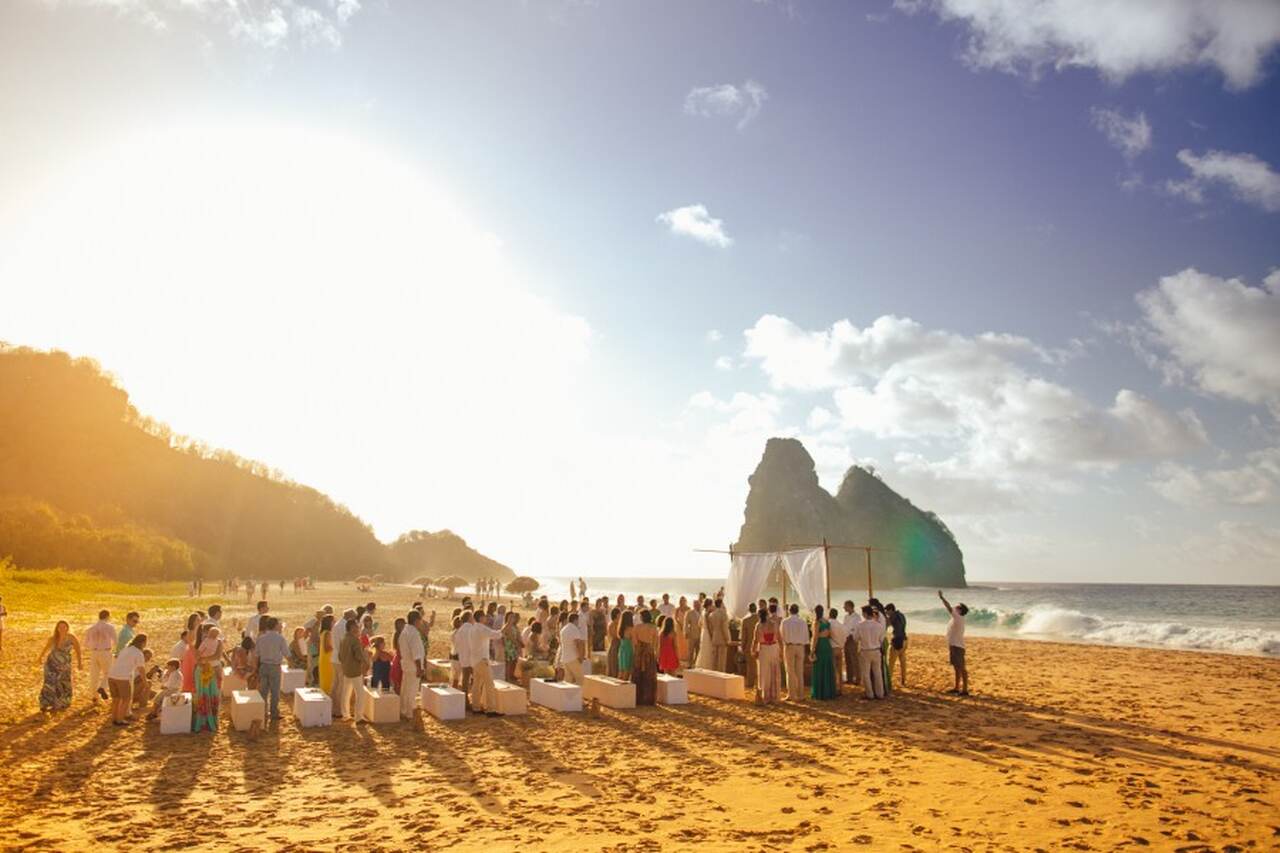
(1061, 746)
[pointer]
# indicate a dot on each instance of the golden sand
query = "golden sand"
(1061, 746)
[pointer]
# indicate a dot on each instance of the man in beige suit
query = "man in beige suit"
(795, 644)
(718, 629)
(747, 638)
(693, 632)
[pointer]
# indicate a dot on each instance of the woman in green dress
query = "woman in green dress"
(824, 673)
(55, 694)
(626, 650)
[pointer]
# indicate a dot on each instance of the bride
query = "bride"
(706, 657)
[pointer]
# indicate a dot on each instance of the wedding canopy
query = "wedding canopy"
(749, 572)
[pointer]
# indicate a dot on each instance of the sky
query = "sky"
(549, 274)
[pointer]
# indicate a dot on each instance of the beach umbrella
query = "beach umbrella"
(422, 581)
(364, 579)
(522, 584)
(451, 582)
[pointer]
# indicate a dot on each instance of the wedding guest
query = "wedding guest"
(253, 627)
(142, 689)
(668, 656)
(191, 655)
(336, 635)
(537, 654)
(599, 625)
(573, 648)
(823, 680)
(795, 642)
(366, 631)
(462, 644)
(838, 638)
(352, 664)
(170, 685)
(55, 693)
(413, 662)
(746, 642)
(215, 616)
(511, 645)
(644, 670)
(484, 696)
(4, 613)
(870, 632)
(244, 663)
(718, 629)
(298, 650)
(626, 648)
(613, 638)
(397, 666)
(693, 632)
(312, 627)
(120, 675)
(271, 651)
(955, 645)
(324, 667)
(99, 640)
(127, 630)
(897, 620)
(850, 621)
(768, 654)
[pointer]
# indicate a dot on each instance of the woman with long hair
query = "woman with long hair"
(511, 645)
(208, 678)
(644, 670)
(326, 653)
(187, 664)
(824, 673)
(55, 694)
(626, 647)
(612, 635)
(768, 654)
(668, 654)
(397, 668)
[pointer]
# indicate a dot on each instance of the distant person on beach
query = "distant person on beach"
(955, 645)
(3, 613)
(898, 643)
(55, 694)
(99, 640)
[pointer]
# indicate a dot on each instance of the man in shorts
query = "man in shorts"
(955, 645)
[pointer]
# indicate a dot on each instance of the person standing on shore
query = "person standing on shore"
(484, 696)
(850, 622)
(55, 693)
(767, 651)
(572, 649)
(795, 641)
(746, 642)
(955, 645)
(823, 676)
(254, 626)
(3, 613)
(898, 643)
(99, 640)
(718, 628)
(413, 661)
(870, 632)
(126, 667)
(693, 632)
(127, 630)
(352, 663)
(272, 652)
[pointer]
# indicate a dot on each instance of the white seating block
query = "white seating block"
(443, 702)
(231, 682)
(612, 692)
(247, 706)
(672, 690)
(378, 706)
(556, 695)
(312, 707)
(443, 669)
(511, 698)
(176, 719)
(292, 679)
(721, 685)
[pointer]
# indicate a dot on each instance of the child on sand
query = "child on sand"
(170, 685)
(381, 667)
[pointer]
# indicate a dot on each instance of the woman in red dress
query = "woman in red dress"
(668, 656)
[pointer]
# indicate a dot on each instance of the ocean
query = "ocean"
(1235, 619)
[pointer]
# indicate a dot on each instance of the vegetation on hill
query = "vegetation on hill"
(89, 483)
(420, 553)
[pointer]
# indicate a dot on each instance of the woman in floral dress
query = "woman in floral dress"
(55, 695)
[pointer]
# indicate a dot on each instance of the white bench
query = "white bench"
(556, 695)
(176, 719)
(377, 706)
(443, 669)
(511, 698)
(247, 706)
(231, 682)
(612, 692)
(312, 707)
(721, 685)
(443, 702)
(291, 679)
(672, 690)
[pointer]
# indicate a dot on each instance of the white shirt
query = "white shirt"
(569, 635)
(838, 634)
(794, 630)
(173, 682)
(462, 643)
(666, 608)
(179, 651)
(411, 648)
(100, 637)
(338, 631)
(127, 664)
(955, 629)
(251, 627)
(480, 637)
(850, 622)
(869, 633)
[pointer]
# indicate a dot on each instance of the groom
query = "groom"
(693, 632)
(718, 630)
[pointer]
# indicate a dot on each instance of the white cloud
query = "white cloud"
(1218, 335)
(977, 395)
(1237, 543)
(694, 221)
(270, 24)
(724, 362)
(1256, 482)
(726, 100)
(1118, 38)
(1132, 135)
(714, 336)
(1248, 178)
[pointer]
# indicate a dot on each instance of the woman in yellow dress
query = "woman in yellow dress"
(326, 653)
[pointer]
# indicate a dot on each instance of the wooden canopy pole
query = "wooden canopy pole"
(826, 548)
(826, 564)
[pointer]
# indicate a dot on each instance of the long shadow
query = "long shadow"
(182, 760)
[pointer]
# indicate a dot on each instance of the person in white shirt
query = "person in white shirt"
(170, 685)
(666, 608)
(955, 645)
(215, 616)
(795, 644)
(572, 649)
(336, 634)
(839, 634)
(180, 648)
(850, 622)
(99, 640)
(870, 632)
(484, 697)
(253, 627)
(462, 647)
(120, 675)
(413, 663)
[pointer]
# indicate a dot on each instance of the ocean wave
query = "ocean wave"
(1048, 621)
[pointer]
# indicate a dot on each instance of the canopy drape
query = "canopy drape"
(808, 573)
(747, 578)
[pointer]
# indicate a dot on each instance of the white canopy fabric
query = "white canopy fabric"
(747, 577)
(808, 573)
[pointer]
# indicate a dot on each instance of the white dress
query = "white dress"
(706, 658)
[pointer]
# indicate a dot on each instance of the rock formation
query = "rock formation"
(787, 506)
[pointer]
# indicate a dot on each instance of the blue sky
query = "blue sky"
(991, 253)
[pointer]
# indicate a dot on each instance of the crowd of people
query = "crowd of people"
(770, 647)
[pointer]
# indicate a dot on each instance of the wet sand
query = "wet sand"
(1060, 747)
